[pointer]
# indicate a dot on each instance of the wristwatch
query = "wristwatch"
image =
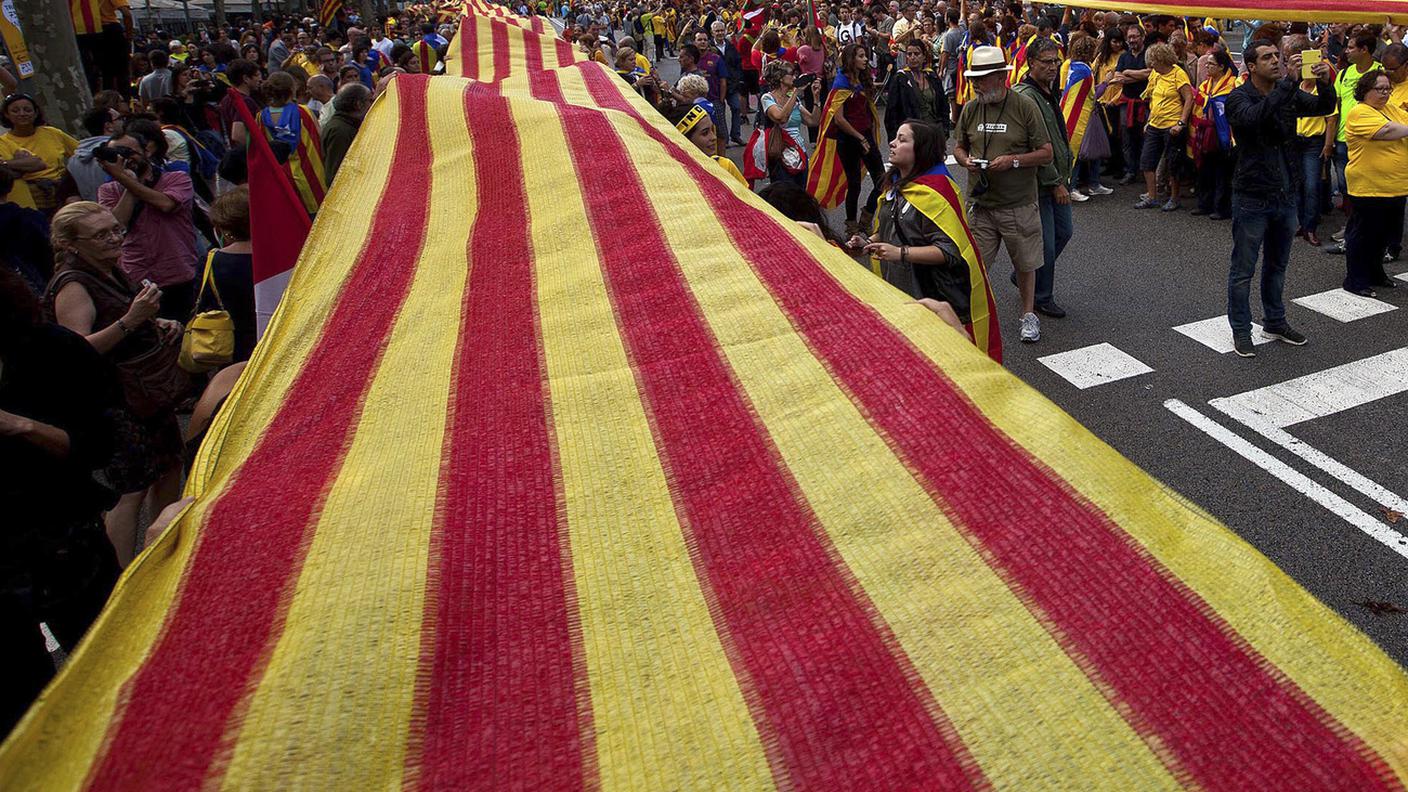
(1016, 163)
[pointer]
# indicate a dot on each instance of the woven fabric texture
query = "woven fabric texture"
(566, 462)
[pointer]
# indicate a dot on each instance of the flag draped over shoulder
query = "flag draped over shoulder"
(826, 179)
(937, 196)
(295, 126)
(278, 221)
(1077, 83)
(524, 488)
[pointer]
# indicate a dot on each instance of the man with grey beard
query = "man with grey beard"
(1002, 140)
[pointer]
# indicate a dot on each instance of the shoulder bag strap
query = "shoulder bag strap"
(207, 277)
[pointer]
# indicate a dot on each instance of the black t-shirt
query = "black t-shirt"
(234, 277)
(1131, 62)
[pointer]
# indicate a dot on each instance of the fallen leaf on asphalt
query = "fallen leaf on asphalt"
(1382, 608)
(1392, 516)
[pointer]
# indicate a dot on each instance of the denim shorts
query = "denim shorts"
(1156, 143)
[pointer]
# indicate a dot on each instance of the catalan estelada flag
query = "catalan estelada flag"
(826, 179)
(304, 165)
(1077, 82)
(936, 195)
(568, 463)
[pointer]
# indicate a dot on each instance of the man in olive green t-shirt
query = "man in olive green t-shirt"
(1002, 140)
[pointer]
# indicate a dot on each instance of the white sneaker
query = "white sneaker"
(1078, 196)
(1031, 328)
(1099, 189)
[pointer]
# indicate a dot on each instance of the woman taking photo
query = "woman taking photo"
(915, 92)
(90, 296)
(34, 150)
(929, 253)
(1170, 96)
(1374, 133)
(784, 115)
(853, 125)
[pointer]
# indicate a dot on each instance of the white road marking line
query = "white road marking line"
(51, 644)
(1340, 305)
(1094, 365)
(1403, 276)
(1292, 478)
(1321, 393)
(1216, 334)
(1346, 474)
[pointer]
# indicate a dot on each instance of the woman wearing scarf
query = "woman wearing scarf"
(922, 244)
(849, 137)
(1211, 143)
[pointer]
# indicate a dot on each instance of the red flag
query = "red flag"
(278, 222)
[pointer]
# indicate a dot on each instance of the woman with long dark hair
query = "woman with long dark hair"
(922, 244)
(915, 92)
(1107, 58)
(852, 121)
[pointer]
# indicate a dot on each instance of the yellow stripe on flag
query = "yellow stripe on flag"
(898, 519)
(653, 653)
(362, 588)
(57, 747)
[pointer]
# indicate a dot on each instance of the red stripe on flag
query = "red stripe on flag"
(532, 52)
(836, 700)
(231, 606)
(503, 700)
(469, 46)
(564, 52)
(499, 45)
(1209, 704)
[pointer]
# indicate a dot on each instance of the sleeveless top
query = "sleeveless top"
(112, 295)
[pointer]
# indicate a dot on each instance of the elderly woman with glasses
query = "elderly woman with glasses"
(90, 295)
(1378, 159)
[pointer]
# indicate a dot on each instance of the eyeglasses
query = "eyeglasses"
(116, 232)
(1383, 88)
(1048, 61)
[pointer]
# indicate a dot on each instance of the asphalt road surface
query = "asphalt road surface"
(1300, 450)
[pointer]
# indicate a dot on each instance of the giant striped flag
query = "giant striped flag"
(568, 463)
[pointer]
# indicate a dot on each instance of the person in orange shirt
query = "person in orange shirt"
(103, 42)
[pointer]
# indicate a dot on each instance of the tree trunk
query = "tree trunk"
(58, 82)
(219, 14)
(368, 14)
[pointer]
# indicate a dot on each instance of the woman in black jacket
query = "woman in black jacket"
(916, 92)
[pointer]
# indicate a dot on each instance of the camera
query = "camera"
(804, 81)
(981, 163)
(106, 153)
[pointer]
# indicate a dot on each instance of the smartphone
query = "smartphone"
(1308, 59)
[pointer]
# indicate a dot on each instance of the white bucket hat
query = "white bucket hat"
(987, 60)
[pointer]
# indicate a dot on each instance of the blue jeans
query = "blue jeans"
(1259, 224)
(1341, 161)
(1311, 168)
(1057, 228)
(1087, 173)
(735, 105)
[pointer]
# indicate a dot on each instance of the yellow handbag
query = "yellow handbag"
(209, 340)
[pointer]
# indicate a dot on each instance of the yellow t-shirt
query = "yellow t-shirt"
(727, 165)
(1376, 167)
(1313, 126)
(1399, 97)
(642, 63)
(657, 24)
(1165, 103)
(50, 144)
(1102, 75)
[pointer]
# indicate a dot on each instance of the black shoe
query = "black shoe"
(1242, 345)
(1051, 309)
(1387, 283)
(1217, 216)
(1128, 179)
(1336, 249)
(1364, 291)
(1285, 333)
(1199, 212)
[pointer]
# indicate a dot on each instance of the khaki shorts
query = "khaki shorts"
(1019, 228)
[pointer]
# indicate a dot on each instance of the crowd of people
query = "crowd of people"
(116, 241)
(1083, 98)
